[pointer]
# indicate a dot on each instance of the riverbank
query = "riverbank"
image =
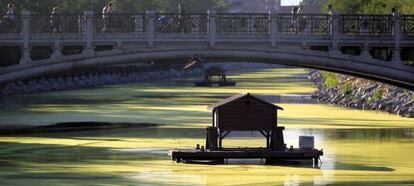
(357, 93)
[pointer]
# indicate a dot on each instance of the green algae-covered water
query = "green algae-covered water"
(361, 147)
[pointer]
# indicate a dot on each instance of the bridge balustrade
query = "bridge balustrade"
(120, 23)
(175, 23)
(14, 26)
(243, 23)
(226, 23)
(66, 23)
(304, 23)
(366, 24)
(407, 24)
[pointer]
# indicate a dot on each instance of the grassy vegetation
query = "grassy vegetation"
(347, 88)
(377, 94)
(330, 79)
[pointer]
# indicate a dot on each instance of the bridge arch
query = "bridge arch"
(384, 71)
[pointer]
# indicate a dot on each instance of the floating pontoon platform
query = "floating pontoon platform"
(271, 156)
(211, 83)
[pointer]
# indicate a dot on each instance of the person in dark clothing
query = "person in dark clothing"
(182, 20)
(55, 20)
(394, 11)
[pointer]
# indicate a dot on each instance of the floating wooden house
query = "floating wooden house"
(245, 112)
(215, 75)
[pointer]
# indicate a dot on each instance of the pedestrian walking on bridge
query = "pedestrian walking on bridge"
(10, 18)
(107, 16)
(55, 20)
(182, 19)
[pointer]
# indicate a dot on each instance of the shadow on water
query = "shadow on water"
(30, 154)
(295, 164)
(377, 134)
(345, 122)
(69, 127)
(369, 183)
(118, 133)
(284, 163)
(359, 167)
(46, 164)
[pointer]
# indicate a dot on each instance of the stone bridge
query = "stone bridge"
(319, 41)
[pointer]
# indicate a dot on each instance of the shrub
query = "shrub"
(377, 94)
(330, 79)
(347, 88)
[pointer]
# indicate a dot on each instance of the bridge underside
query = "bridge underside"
(389, 72)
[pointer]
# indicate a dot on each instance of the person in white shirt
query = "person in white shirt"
(331, 10)
(10, 17)
(107, 15)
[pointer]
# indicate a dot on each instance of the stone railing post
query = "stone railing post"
(365, 51)
(88, 32)
(212, 27)
(26, 37)
(151, 27)
(81, 27)
(335, 32)
(396, 55)
(273, 28)
(56, 51)
(250, 25)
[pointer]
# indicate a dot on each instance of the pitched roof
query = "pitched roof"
(239, 96)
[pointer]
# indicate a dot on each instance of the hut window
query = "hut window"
(247, 102)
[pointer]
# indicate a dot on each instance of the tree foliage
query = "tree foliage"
(370, 6)
(120, 6)
(313, 2)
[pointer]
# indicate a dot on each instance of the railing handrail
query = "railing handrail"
(122, 14)
(243, 14)
(159, 13)
(380, 15)
(322, 14)
(61, 14)
(235, 14)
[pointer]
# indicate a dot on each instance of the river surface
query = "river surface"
(360, 147)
